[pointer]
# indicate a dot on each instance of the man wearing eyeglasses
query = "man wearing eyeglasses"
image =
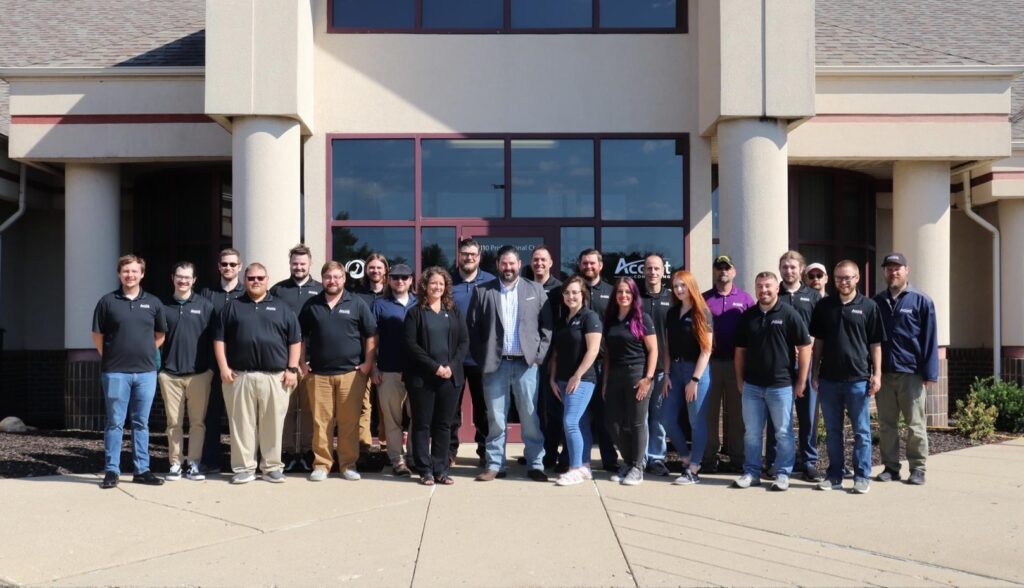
(257, 343)
(228, 288)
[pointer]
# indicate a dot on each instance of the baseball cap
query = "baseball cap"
(723, 259)
(400, 270)
(894, 257)
(816, 266)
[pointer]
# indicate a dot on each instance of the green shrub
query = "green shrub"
(974, 420)
(1006, 397)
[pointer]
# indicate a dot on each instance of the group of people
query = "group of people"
(632, 366)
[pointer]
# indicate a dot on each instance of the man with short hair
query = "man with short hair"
(258, 345)
(185, 373)
(339, 330)
(374, 285)
(910, 357)
(550, 408)
(589, 264)
(770, 339)
(656, 300)
(389, 311)
(228, 288)
(128, 327)
(847, 363)
(816, 277)
(466, 276)
(510, 330)
(296, 291)
(726, 302)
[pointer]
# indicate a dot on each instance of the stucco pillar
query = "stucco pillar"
(1011, 244)
(266, 183)
(753, 195)
(92, 239)
(920, 227)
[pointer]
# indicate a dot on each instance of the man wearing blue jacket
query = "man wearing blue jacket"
(910, 357)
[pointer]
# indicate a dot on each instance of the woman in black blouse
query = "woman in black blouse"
(631, 355)
(436, 341)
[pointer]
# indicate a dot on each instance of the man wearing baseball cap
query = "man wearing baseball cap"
(910, 357)
(816, 278)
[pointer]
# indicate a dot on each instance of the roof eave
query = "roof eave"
(980, 70)
(15, 73)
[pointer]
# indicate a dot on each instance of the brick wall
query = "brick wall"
(84, 405)
(32, 386)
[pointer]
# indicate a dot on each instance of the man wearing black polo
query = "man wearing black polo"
(257, 343)
(550, 408)
(589, 266)
(374, 285)
(128, 327)
(770, 339)
(847, 364)
(339, 330)
(298, 289)
(656, 300)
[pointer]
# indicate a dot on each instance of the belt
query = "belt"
(513, 357)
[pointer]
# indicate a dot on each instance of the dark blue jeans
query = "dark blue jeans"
(127, 396)
(807, 432)
(851, 397)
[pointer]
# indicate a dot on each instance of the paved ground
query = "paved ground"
(964, 528)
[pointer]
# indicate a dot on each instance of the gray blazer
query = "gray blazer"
(486, 333)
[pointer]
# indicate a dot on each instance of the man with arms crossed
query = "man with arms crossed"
(589, 265)
(550, 409)
(656, 300)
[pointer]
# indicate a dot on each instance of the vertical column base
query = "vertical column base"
(936, 404)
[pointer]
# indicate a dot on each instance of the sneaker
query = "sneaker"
(633, 477)
(110, 480)
(916, 478)
(174, 473)
(746, 481)
(243, 477)
(687, 478)
(148, 478)
(861, 486)
(813, 474)
(401, 470)
(537, 475)
(829, 485)
(781, 483)
(658, 468)
(570, 478)
(620, 474)
(351, 475)
(888, 475)
(318, 475)
(306, 461)
(276, 476)
(194, 473)
(291, 462)
(586, 473)
(209, 470)
(768, 473)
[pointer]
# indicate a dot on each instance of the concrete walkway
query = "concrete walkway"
(963, 528)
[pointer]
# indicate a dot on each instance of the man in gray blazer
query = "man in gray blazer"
(510, 329)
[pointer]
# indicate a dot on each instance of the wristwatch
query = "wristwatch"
(293, 370)
(695, 379)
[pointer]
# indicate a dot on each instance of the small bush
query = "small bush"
(974, 420)
(1008, 400)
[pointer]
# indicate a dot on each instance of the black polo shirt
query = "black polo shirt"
(570, 344)
(257, 335)
(367, 295)
(220, 297)
(294, 295)
(336, 334)
(847, 331)
(803, 300)
(187, 348)
(129, 328)
(623, 348)
(657, 305)
(770, 340)
(682, 341)
(600, 297)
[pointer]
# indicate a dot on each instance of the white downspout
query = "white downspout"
(22, 189)
(997, 327)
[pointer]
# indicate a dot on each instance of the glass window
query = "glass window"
(624, 249)
(463, 14)
(641, 14)
(574, 240)
(437, 247)
(351, 246)
(854, 225)
(374, 179)
(816, 206)
(375, 14)
(548, 14)
(552, 178)
(489, 247)
(463, 178)
(641, 179)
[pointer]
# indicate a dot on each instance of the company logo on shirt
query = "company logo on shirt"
(802, 299)
(777, 321)
(344, 311)
(855, 311)
(738, 305)
(271, 308)
(663, 303)
(907, 310)
(312, 293)
(196, 311)
(143, 306)
(603, 296)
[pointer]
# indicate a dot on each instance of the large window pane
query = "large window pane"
(463, 14)
(548, 14)
(463, 178)
(437, 247)
(373, 179)
(351, 246)
(489, 247)
(817, 195)
(625, 248)
(552, 178)
(639, 14)
(375, 14)
(641, 179)
(574, 240)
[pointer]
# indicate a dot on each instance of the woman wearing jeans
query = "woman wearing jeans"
(631, 354)
(575, 345)
(688, 329)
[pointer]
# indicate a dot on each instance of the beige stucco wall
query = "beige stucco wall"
(121, 142)
(971, 279)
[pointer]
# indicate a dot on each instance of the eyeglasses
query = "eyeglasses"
(845, 278)
(815, 276)
(400, 278)
(468, 254)
(229, 264)
(255, 278)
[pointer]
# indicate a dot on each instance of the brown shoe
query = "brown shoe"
(487, 476)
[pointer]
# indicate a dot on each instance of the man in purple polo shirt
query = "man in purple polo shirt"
(727, 302)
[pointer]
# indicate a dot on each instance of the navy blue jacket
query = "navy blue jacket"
(911, 345)
(463, 291)
(390, 315)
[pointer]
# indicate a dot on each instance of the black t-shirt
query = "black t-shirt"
(657, 305)
(187, 348)
(257, 335)
(770, 340)
(803, 301)
(336, 334)
(294, 295)
(570, 344)
(682, 341)
(847, 331)
(437, 325)
(623, 348)
(129, 328)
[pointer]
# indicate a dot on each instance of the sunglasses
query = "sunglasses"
(400, 278)
(255, 278)
(229, 264)
(815, 276)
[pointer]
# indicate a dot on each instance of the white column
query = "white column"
(92, 242)
(753, 195)
(266, 190)
(1011, 246)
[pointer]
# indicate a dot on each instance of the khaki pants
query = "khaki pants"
(392, 394)
(724, 390)
(305, 425)
(902, 394)
(339, 398)
(256, 403)
(177, 391)
(365, 415)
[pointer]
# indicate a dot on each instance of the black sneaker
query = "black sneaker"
(521, 460)
(110, 480)
(148, 478)
(813, 474)
(291, 462)
(888, 475)
(916, 478)
(537, 475)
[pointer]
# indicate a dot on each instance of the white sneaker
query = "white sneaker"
(570, 478)
(243, 477)
(194, 473)
(318, 475)
(351, 474)
(174, 473)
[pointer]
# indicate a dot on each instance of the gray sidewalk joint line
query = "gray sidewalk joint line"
(615, 531)
(734, 570)
(678, 575)
(423, 533)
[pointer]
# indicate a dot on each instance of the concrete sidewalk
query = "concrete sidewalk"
(963, 528)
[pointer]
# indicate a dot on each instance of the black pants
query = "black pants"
(598, 423)
(625, 416)
(214, 417)
(432, 409)
(475, 379)
(551, 409)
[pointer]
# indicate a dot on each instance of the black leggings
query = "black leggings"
(433, 407)
(625, 416)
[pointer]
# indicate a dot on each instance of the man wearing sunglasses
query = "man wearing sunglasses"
(816, 278)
